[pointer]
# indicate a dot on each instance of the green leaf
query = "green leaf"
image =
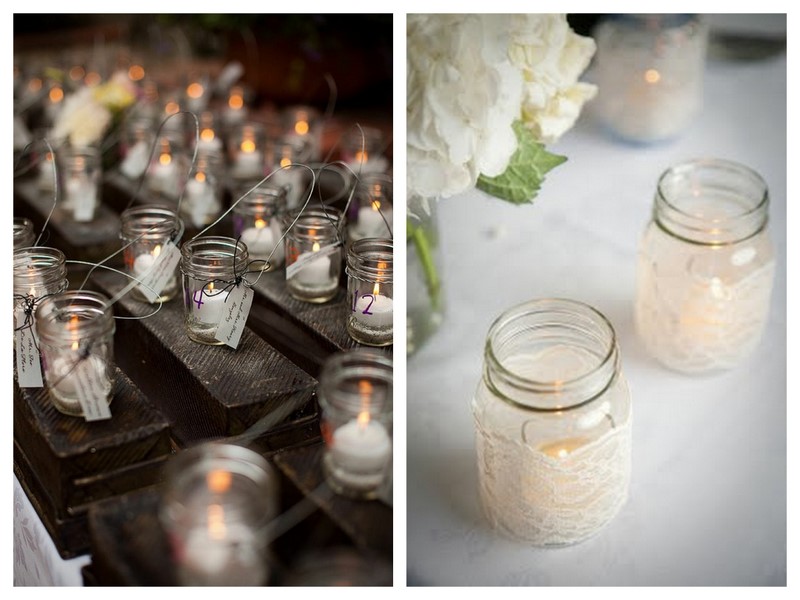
(523, 177)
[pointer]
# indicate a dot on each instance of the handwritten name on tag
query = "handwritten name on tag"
(234, 315)
(92, 386)
(29, 366)
(308, 257)
(161, 272)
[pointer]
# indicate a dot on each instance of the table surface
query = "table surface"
(707, 503)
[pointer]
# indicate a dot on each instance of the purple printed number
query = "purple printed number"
(355, 302)
(197, 298)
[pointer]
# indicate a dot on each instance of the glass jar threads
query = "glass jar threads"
(202, 199)
(369, 287)
(257, 221)
(650, 74)
(246, 146)
(218, 500)
(146, 231)
(706, 266)
(553, 423)
(209, 266)
(313, 254)
(355, 397)
(80, 172)
(23, 233)
(76, 339)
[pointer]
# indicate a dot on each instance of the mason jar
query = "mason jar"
(370, 266)
(355, 398)
(217, 503)
(650, 74)
(552, 419)
(706, 266)
(210, 266)
(166, 171)
(201, 204)
(76, 340)
(23, 233)
(80, 172)
(304, 124)
(38, 272)
(145, 231)
(258, 222)
(281, 153)
(364, 153)
(246, 147)
(314, 248)
(136, 146)
(371, 213)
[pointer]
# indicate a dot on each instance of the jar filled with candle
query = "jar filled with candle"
(553, 423)
(217, 503)
(313, 254)
(369, 287)
(146, 232)
(355, 397)
(47, 174)
(364, 153)
(372, 208)
(39, 272)
(258, 222)
(210, 266)
(281, 153)
(137, 144)
(80, 172)
(650, 74)
(208, 135)
(166, 170)
(706, 267)
(303, 124)
(246, 147)
(76, 340)
(235, 113)
(23, 233)
(202, 198)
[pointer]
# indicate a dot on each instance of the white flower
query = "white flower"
(82, 120)
(551, 57)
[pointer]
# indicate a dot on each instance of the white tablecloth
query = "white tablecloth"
(708, 494)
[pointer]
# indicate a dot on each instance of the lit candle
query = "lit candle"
(209, 140)
(292, 178)
(145, 261)
(81, 196)
(260, 239)
(208, 305)
(316, 272)
(69, 369)
(374, 310)
(371, 223)
(562, 448)
(46, 176)
(250, 161)
(235, 112)
(200, 199)
(164, 175)
(196, 98)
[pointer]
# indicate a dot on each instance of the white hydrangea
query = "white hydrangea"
(82, 120)
(469, 77)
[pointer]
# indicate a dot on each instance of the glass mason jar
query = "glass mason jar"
(258, 221)
(76, 340)
(355, 398)
(166, 171)
(650, 74)
(47, 177)
(246, 147)
(281, 153)
(310, 236)
(217, 503)
(369, 286)
(304, 124)
(38, 272)
(80, 172)
(202, 199)
(208, 138)
(145, 230)
(23, 233)
(371, 213)
(425, 299)
(364, 154)
(209, 265)
(553, 423)
(706, 267)
(137, 144)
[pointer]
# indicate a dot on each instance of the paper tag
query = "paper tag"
(29, 366)
(161, 272)
(302, 261)
(234, 315)
(92, 389)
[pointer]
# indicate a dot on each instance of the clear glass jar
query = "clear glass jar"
(23, 233)
(316, 277)
(38, 272)
(258, 221)
(246, 148)
(76, 341)
(208, 138)
(217, 503)
(364, 154)
(236, 111)
(371, 214)
(209, 266)
(553, 423)
(650, 74)
(201, 204)
(167, 168)
(283, 152)
(80, 172)
(355, 397)
(145, 231)
(137, 144)
(370, 266)
(304, 124)
(47, 177)
(706, 266)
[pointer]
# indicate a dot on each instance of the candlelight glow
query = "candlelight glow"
(200, 176)
(165, 159)
(362, 156)
(285, 162)
(76, 73)
(136, 72)
(156, 250)
(248, 146)
(376, 205)
(562, 448)
(315, 247)
(92, 78)
(218, 481)
(56, 94)
(72, 326)
(207, 135)
(376, 289)
(171, 108)
(363, 419)
(35, 84)
(195, 90)
(260, 223)
(236, 102)
(301, 127)
(652, 76)
(216, 522)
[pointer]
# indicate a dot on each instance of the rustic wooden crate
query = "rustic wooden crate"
(207, 391)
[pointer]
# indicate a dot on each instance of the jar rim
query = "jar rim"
(355, 365)
(86, 303)
(365, 256)
(554, 394)
(212, 248)
(139, 220)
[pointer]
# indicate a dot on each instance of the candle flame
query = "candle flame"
(376, 289)
(73, 326)
(652, 76)
(76, 73)
(301, 127)
(260, 223)
(171, 107)
(210, 286)
(363, 419)
(56, 95)
(207, 135)
(200, 176)
(376, 205)
(315, 247)
(236, 101)
(35, 84)
(195, 90)
(218, 481)
(165, 159)
(362, 156)
(92, 79)
(248, 146)
(285, 162)
(156, 250)
(216, 522)
(136, 72)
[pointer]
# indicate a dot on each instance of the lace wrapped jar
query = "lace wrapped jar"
(23, 233)
(706, 267)
(209, 265)
(76, 339)
(553, 423)
(145, 232)
(313, 254)
(370, 267)
(258, 221)
(217, 503)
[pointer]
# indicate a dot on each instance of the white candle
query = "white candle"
(293, 178)
(371, 223)
(164, 176)
(200, 199)
(374, 310)
(81, 197)
(207, 306)
(316, 272)
(259, 239)
(144, 262)
(249, 163)
(209, 140)
(360, 452)
(66, 371)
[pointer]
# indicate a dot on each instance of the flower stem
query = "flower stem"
(422, 244)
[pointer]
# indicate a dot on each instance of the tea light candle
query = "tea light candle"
(315, 272)
(249, 162)
(259, 239)
(164, 175)
(208, 306)
(361, 449)
(235, 112)
(209, 140)
(196, 98)
(370, 222)
(81, 196)
(145, 261)
(374, 310)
